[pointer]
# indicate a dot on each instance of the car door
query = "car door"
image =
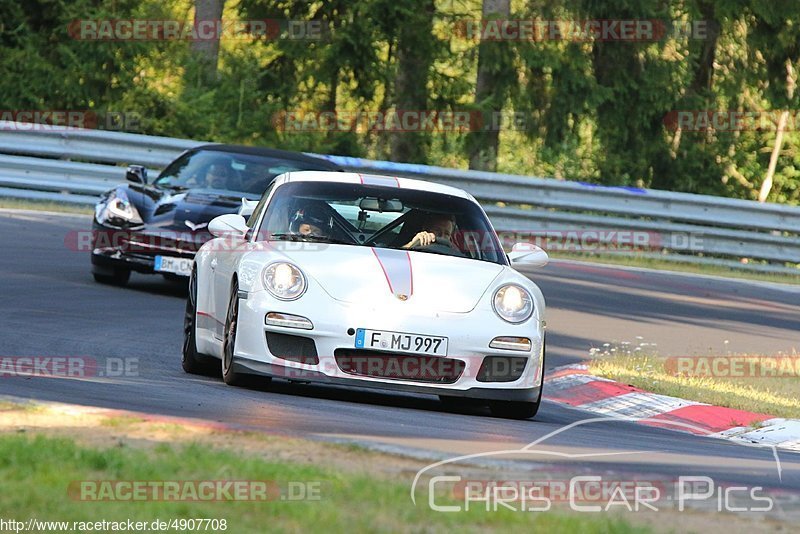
(226, 260)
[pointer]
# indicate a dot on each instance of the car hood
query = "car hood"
(169, 210)
(359, 274)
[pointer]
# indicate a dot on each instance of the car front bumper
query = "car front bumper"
(468, 334)
(115, 249)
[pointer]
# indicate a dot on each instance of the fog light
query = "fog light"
(511, 343)
(288, 321)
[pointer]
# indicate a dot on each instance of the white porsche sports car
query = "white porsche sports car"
(369, 281)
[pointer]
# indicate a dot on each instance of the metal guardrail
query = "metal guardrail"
(74, 165)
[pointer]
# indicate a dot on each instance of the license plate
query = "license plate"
(401, 342)
(168, 264)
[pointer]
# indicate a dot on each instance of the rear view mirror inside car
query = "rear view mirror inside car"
(380, 204)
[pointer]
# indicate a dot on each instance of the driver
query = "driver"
(437, 226)
(218, 176)
(310, 221)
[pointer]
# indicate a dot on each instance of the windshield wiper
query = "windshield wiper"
(309, 238)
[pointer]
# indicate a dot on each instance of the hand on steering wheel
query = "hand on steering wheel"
(422, 239)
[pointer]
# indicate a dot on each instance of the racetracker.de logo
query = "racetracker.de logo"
(200, 30)
(734, 366)
(49, 120)
(193, 490)
(625, 30)
(720, 120)
(67, 367)
(395, 121)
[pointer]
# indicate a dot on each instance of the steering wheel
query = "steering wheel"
(442, 246)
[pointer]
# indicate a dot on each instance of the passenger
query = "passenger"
(310, 221)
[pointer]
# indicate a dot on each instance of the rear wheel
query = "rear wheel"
(116, 277)
(191, 360)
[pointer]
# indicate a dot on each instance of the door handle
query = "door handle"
(213, 264)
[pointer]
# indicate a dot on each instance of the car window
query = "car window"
(383, 217)
(227, 172)
(253, 219)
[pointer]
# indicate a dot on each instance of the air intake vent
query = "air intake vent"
(502, 368)
(293, 348)
(409, 367)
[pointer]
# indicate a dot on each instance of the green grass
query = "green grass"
(633, 260)
(60, 207)
(769, 395)
(37, 472)
(121, 421)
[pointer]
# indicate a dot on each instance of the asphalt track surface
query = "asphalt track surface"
(50, 306)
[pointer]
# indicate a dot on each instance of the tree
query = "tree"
(206, 49)
(496, 74)
(414, 62)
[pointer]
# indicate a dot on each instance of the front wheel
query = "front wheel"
(117, 277)
(514, 409)
(229, 375)
(520, 409)
(192, 361)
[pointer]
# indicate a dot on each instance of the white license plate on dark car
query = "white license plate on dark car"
(169, 264)
(401, 342)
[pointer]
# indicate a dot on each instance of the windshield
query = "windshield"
(227, 172)
(383, 217)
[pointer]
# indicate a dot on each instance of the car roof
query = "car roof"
(372, 179)
(269, 152)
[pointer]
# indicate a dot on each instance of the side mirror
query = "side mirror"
(136, 174)
(528, 254)
(228, 225)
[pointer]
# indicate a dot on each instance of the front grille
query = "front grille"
(411, 367)
(501, 368)
(293, 348)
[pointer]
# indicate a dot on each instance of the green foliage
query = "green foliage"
(590, 110)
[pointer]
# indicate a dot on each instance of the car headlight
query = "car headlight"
(284, 280)
(117, 210)
(513, 303)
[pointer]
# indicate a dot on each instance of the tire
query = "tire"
(520, 409)
(176, 280)
(460, 404)
(119, 277)
(192, 361)
(229, 375)
(514, 409)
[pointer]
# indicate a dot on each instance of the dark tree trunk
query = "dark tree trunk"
(206, 51)
(490, 93)
(414, 60)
